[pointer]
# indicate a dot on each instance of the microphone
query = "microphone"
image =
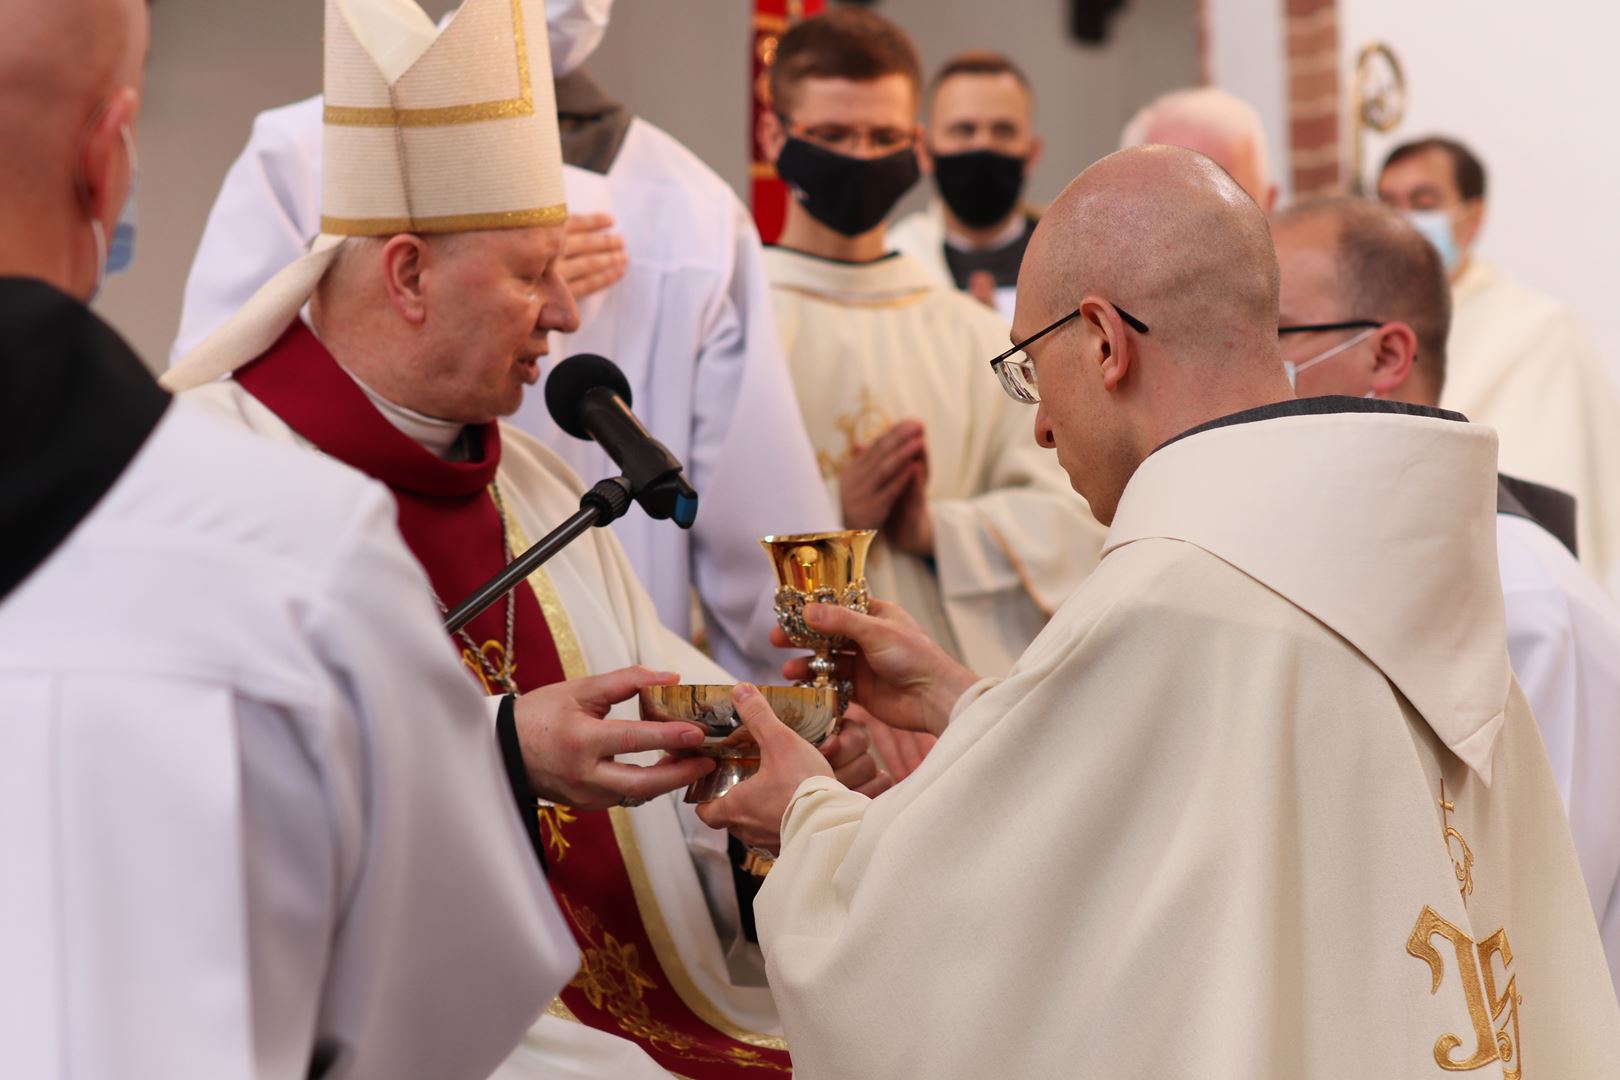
(589, 398)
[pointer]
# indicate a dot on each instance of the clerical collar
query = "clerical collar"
(301, 382)
(441, 438)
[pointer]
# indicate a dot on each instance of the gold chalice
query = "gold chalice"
(811, 711)
(818, 568)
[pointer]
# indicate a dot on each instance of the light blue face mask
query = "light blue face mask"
(115, 258)
(121, 252)
(1292, 369)
(1437, 229)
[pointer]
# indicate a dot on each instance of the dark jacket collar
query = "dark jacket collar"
(79, 406)
(1318, 406)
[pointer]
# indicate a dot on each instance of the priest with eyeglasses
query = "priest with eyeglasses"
(1263, 800)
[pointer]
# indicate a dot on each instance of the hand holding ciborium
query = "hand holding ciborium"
(818, 568)
(822, 568)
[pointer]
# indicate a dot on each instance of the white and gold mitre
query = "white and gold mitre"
(434, 132)
(427, 131)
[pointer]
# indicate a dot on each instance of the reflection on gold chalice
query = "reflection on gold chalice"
(811, 711)
(818, 568)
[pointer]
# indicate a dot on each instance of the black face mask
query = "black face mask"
(848, 195)
(981, 187)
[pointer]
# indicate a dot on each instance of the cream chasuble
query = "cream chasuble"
(602, 619)
(1518, 361)
(1262, 801)
(870, 345)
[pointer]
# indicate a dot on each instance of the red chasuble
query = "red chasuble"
(631, 983)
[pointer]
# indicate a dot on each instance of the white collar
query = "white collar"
(1014, 229)
(441, 438)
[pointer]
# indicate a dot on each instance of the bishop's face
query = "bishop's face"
(491, 300)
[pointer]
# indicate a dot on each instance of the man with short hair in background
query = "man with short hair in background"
(980, 147)
(980, 535)
(1224, 128)
(1366, 310)
(1520, 361)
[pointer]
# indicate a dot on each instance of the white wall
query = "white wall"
(681, 63)
(1532, 89)
(1248, 57)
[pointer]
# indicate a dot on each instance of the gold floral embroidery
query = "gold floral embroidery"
(1464, 867)
(553, 816)
(612, 979)
(859, 428)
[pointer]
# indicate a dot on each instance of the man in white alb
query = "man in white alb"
(247, 800)
(980, 535)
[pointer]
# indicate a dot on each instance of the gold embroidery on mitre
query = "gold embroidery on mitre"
(446, 223)
(448, 115)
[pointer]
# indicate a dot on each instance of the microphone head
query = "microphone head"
(575, 377)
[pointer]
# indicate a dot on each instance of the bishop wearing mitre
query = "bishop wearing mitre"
(1273, 804)
(430, 295)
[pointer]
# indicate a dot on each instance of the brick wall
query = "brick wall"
(1314, 111)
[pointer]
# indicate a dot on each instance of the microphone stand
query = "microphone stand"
(603, 504)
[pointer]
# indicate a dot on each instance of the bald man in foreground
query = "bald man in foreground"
(1262, 800)
(253, 815)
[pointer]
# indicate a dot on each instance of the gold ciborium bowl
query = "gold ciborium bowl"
(811, 711)
(818, 568)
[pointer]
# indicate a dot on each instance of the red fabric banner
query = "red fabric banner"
(771, 20)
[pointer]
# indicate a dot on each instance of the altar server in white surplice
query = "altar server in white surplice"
(980, 535)
(1366, 310)
(690, 323)
(1275, 806)
(430, 302)
(228, 720)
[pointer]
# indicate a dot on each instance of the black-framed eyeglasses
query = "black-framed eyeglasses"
(1322, 328)
(1016, 370)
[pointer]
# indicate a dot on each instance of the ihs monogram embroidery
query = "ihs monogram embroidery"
(859, 428)
(1495, 1019)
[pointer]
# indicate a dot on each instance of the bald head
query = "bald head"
(69, 70)
(1222, 127)
(1358, 259)
(1169, 237)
